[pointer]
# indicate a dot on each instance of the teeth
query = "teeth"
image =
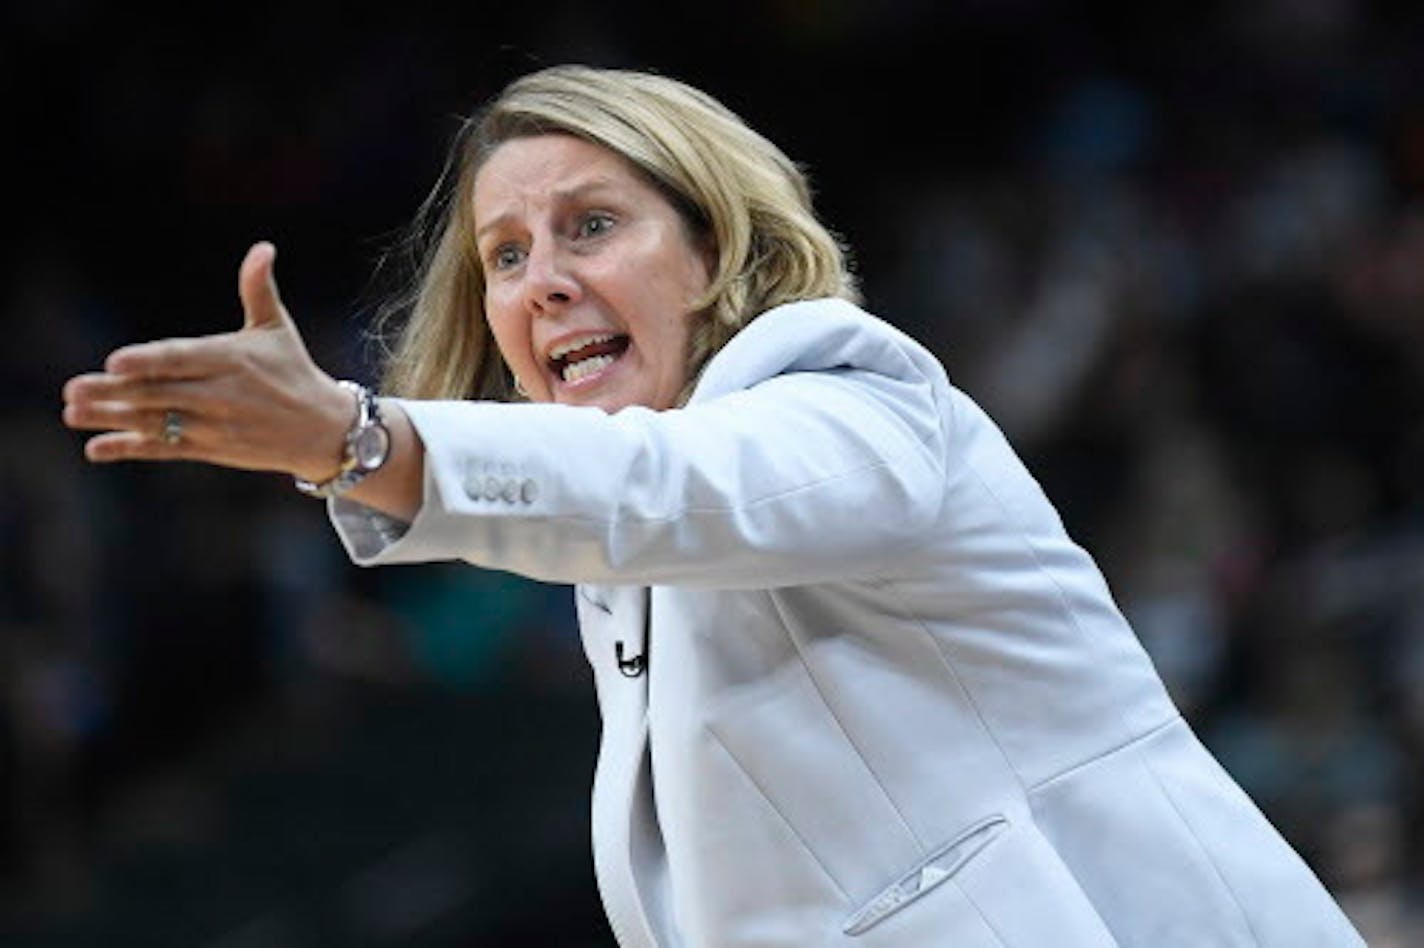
(563, 349)
(578, 370)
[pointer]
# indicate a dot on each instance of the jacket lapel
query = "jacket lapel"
(614, 624)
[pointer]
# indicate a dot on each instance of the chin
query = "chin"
(608, 401)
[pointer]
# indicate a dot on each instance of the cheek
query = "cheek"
(673, 348)
(511, 337)
(499, 316)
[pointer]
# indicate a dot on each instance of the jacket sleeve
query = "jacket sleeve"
(803, 477)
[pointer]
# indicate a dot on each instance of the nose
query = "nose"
(549, 281)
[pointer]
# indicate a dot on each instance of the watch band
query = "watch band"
(353, 471)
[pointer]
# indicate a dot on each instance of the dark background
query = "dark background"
(1179, 256)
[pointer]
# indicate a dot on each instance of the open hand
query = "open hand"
(250, 399)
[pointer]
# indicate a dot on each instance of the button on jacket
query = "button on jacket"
(858, 686)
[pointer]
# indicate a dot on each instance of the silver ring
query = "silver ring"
(172, 431)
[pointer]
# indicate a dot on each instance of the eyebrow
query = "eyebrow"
(561, 195)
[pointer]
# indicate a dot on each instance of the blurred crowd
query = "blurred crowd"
(1181, 263)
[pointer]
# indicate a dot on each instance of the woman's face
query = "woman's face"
(590, 274)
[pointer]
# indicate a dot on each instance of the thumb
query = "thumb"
(257, 287)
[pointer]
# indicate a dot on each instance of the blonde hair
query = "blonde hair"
(732, 187)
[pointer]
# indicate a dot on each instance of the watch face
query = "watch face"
(372, 445)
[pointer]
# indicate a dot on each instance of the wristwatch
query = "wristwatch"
(368, 445)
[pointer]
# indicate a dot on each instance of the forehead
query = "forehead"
(545, 167)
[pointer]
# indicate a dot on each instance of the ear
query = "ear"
(707, 250)
(710, 265)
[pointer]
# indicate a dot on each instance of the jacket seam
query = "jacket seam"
(979, 911)
(1071, 614)
(941, 648)
(830, 709)
(1072, 769)
(772, 497)
(771, 805)
(1146, 765)
(694, 510)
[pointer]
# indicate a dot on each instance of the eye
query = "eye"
(505, 256)
(595, 224)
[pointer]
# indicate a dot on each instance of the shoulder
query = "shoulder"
(816, 336)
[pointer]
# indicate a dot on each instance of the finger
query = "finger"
(186, 394)
(122, 416)
(133, 446)
(108, 416)
(257, 287)
(173, 358)
(81, 387)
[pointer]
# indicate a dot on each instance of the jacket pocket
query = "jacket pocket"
(934, 870)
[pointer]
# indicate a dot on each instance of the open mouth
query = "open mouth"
(588, 357)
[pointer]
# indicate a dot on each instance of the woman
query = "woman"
(857, 684)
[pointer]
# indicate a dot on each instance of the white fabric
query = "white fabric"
(872, 649)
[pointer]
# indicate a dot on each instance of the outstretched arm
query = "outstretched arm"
(251, 399)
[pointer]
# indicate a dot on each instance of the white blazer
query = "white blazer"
(858, 686)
